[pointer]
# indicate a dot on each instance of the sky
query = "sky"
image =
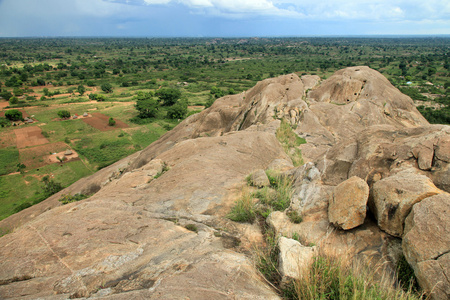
(222, 18)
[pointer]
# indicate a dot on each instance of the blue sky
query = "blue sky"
(224, 18)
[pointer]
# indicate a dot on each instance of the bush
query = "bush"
(64, 114)
(333, 278)
(68, 198)
(111, 121)
(13, 100)
(4, 122)
(13, 115)
(50, 186)
(6, 95)
(191, 227)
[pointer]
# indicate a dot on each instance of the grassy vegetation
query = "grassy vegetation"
(290, 141)
(244, 208)
(21, 191)
(336, 278)
(9, 158)
(330, 277)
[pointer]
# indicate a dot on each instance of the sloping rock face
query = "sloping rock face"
(130, 238)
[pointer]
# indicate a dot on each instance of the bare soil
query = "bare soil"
(29, 136)
(100, 122)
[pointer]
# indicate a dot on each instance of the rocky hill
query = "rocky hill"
(375, 184)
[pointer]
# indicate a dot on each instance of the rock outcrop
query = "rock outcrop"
(155, 226)
(426, 244)
(394, 196)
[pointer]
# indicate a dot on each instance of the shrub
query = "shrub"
(13, 100)
(294, 217)
(68, 198)
(191, 227)
(64, 114)
(406, 276)
(111, 121)
(278, 196)
(50, 186)
(13, 115)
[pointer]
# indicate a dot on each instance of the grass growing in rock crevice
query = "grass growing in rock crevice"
(263, 201)
(290, 141)
(243, 209)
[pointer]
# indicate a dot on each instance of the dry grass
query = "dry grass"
(332, 277)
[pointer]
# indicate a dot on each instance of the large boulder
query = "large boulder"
(394, 196)
(347, 208)
(426, 244)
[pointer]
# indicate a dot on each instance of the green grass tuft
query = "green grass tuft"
(244, 209)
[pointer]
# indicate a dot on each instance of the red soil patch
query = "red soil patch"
(40, 156)
(29, 136)
(100, 121)
(3, 104)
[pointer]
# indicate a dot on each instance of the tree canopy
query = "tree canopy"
(13, 115)
(168, 96)
(146, 105)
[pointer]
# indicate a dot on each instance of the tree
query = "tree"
(40, 81)
(146, 105)
(147, 108)
(168, 96)
(178, 110)
(111, 121)
(107, 87)
(6, 95)
(18, 92)
(64, 114)
(81, 89)
(13, 100)
(13, 115)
